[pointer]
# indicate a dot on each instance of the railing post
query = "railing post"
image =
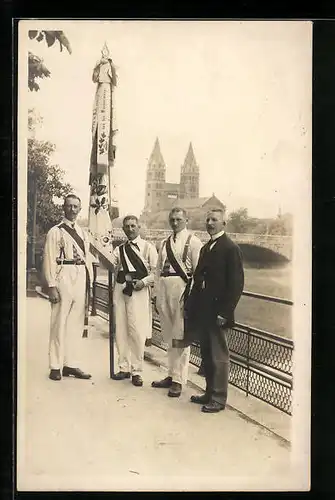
(94, 290)
(248, 362)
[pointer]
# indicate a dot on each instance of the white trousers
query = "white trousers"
(133, 322)
(67, 318)
(170, 310)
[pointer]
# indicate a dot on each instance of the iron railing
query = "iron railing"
(260, 361)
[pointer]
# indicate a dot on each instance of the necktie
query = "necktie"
(208, 246)
(211, 243)
(135, 245)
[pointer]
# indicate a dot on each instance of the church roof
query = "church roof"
(171, 186)
(156, 156)
(197, 202)
(190, 163)
(192, 203)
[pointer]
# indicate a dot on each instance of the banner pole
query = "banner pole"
(111, 324)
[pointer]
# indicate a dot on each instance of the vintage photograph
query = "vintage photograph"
(164, 255)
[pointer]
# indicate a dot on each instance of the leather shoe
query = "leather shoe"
(137, 380)
(55, 375)
(213, 407)
(163, 384)
(75, 372)
(121, 375)
(175, 390)
(200, 400)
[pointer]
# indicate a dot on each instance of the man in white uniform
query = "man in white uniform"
(177, 260)
(67, 270)
(135, 264)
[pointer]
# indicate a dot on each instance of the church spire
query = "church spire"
(190, 164)
(155, 181)
(156, 159)
(189, 176)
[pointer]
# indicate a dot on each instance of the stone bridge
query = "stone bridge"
(281, 245)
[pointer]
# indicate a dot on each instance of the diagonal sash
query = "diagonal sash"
(123, 259)
(73, 233)
(174, 262)
(135, 259)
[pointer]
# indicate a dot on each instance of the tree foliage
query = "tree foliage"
(36, 67)
(34, 120)
(281, 226)
(48, 181)
(238, 221)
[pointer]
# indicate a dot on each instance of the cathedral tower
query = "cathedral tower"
(155, 180)
(189, 176)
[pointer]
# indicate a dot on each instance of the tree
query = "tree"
(48, 181)
(34, 120)
(36, 67)
(45, 186)
(260, 228)
(281, 226)
(238, 221)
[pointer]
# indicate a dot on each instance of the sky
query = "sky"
(241, 92)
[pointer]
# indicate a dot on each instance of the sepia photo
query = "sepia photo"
(164, 255)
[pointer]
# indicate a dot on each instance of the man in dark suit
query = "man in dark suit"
(209, 311)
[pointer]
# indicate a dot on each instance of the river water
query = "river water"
(275, 281)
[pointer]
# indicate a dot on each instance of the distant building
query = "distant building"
(158, 192)
(161, 196)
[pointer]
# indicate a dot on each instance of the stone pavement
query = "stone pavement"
(107, 435)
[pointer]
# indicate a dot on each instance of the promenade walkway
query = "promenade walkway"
(109, 435)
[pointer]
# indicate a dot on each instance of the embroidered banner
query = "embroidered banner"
(103, 186)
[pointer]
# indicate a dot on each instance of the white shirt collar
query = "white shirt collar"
(135, 240)
(181, 233)
(217, 235)
(69, 222)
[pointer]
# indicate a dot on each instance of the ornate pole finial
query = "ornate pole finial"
(105, 51)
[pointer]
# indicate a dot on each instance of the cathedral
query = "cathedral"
(161, 196)
(158, 192)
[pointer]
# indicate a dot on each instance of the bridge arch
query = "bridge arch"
(260, 255)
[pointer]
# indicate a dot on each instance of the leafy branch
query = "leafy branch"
(36, 67)
(50, 37)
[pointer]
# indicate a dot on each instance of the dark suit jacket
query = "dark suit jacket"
(218, 286)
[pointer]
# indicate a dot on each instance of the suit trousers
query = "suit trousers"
(215, 356)
(133, 322)
(67, 318)
(171, 315)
